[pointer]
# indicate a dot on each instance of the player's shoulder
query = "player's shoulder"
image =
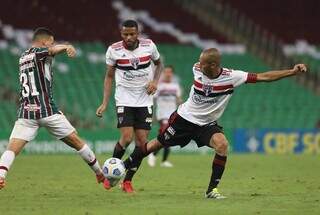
(117, 46)
(226, 71)
(38, 49)
(231, 72)
(146, 42)
(196, 67)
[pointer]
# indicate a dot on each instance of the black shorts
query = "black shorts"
(181, 132)
(136, 117)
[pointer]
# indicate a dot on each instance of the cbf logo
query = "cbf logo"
(207, 89)
(135, 62)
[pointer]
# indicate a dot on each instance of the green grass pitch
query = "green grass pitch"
(254, 184)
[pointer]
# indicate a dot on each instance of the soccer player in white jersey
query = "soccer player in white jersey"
(130, 62)
(196, 119)
(37, 107)
(167, 97)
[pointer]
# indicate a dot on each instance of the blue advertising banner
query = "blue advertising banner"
(277, 141)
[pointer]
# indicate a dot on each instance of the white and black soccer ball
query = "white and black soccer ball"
(113, 169)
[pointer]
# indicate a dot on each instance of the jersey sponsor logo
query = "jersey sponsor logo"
(27, 66)
(28, 57)
(134, 62)
(128, 75)
(199, 99)
(31, 107)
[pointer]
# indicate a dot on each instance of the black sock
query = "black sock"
(133, 162)
(166, 151)
(218, 165)
(118, 151)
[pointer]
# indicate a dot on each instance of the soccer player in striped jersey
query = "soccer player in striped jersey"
(37, 108)
(130, 62)
(196, 119)
(167, 97)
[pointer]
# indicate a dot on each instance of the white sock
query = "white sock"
(6, 160)
(87, 154)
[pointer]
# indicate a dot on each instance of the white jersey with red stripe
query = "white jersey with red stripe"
(133, 72)
(209, 97)
(166, 99)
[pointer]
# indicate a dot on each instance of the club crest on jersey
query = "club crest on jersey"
(134, 62)
(207, 89)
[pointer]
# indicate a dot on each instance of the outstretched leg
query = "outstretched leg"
(13, 149)
(74, 141)
(136, 157)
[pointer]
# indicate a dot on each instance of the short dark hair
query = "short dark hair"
(130, 23)
(170, 67)
(41, 31)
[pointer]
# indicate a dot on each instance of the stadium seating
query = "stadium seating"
(290, 26)
(78, 90)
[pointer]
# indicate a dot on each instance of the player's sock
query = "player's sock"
(132, 171)
(135, 157)
(118, 151)
(133, 162)
(87, 154)
(166, 151)
(218, 165)
(6, 161)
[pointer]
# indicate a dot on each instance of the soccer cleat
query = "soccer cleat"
(152, 160)
(214, 194)
(126, 186)
(2, 183)
(105, 182)
(166, 164)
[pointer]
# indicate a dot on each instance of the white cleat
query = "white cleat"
(152, 160)
(166, 164)
(214, 194)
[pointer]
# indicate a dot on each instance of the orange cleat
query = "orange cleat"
(105, 182)
(2, 183)
(126, 186)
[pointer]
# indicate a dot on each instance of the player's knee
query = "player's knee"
(222, 147)
(126, 138)
(140, 140)
(220, 144)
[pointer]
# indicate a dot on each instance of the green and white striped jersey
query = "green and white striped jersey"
(36, 79)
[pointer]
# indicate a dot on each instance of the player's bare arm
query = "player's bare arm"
(152, 85)
(60, 48)
(276, 75)
(107, 90)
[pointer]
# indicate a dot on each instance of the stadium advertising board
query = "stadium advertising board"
(277, 141)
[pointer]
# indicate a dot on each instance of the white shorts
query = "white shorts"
(27, 129)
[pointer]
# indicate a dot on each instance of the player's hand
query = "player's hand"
(71, 51)
(100, 110)
(151, 87)
(300, 68)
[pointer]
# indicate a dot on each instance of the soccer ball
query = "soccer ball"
(113, 169)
